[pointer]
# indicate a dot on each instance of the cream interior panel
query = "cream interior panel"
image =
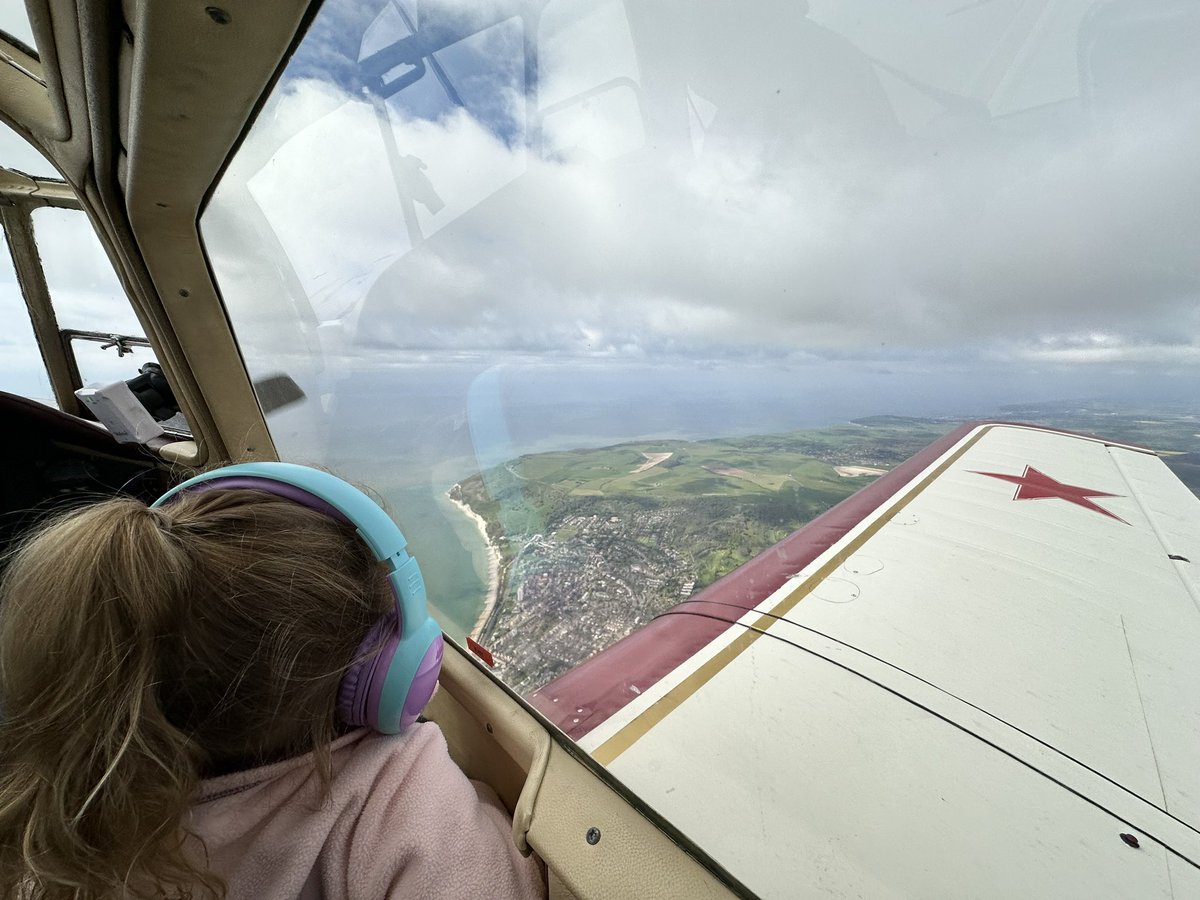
(630, 858)
(555, 799)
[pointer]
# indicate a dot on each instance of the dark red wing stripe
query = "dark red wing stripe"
(589, 694)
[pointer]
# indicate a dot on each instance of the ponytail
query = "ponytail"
(142, 649)
(82, 610)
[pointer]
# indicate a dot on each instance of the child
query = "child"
(168, 684)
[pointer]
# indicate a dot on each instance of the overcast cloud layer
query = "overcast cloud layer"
(940, 191)
(759, 186)
(927, 187)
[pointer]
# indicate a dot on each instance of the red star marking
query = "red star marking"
(1035, 485)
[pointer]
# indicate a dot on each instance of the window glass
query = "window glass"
(83, 286)
(570, 283)
(17, 153)
(14, 20)
(88, 297)
(21, 368)
(511, 231)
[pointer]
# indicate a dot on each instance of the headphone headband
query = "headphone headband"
(349, 503)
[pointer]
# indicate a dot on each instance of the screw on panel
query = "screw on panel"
(1130, 839)
(593, 835)
(490, 730)
(218, 15)
(1177, 557)
(183, 292)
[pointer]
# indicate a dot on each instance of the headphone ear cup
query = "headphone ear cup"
(424, 683)
(358, 696)
(387, 690)
(409, 679)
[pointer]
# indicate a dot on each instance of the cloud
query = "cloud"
(673, 206)
(1110, 349)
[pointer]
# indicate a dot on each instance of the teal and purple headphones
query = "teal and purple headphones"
(388, 690)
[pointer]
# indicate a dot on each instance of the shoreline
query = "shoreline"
(493, 564)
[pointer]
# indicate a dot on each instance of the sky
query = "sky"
(765, 187)
(967, 202)
(15, 20)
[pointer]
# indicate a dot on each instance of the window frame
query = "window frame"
(20, 195)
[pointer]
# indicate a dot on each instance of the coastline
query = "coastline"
(493, 564)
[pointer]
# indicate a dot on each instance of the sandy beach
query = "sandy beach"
(493, 579)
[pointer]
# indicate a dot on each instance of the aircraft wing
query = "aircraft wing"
(978, 674)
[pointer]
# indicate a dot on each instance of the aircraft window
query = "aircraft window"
(21, 368)
(564, 281)
(102, 331)
(83, 286)
(532, 233)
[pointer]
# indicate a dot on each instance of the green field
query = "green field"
(693, 469)
(717, 502)
(759, 464)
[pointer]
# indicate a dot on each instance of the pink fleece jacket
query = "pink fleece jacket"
(401, 821)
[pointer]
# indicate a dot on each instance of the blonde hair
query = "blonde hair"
(144, 649)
